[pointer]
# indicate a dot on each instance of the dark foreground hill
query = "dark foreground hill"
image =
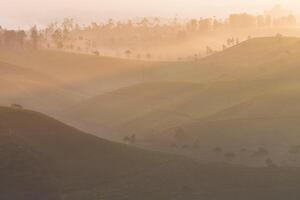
(76, 166)
(23, 171)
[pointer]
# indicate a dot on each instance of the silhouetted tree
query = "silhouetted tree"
(237, 41)
(133, 139)
(58, 38)
(294, 149)
(179, 134)
(229, 155)
(130, 139)
(148, 56)
(9, 39)
(224, 47)
(243, 150)
(217, 150)
(209, 51)
(196, 143)
(270, 163)
(260, 152)
(16, 106)
(128, 53)
(21, 35)
(96, 53)
(34, 37)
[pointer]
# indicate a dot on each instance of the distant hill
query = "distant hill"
(115, 109)
(60, 80)
(88, 74)
(255, 59)
(77, 165)
(259, 71)
(151, 108)
(270, 121)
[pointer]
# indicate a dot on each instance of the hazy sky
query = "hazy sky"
(28, 12)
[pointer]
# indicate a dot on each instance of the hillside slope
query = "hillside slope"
(34, 90)
(270, 121)
(255, 59)
(261, 68)
(24, 173)
(89, 75)
(87, 167)
(265, 60)
(150, 109)
(115, 109)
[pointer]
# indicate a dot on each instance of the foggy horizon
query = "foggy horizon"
(19, 14)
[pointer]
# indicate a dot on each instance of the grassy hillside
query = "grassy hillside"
(155, 106)
(258, 60)
(255, 59)
(117, 108)
(83, 162)
(34, 90)
(86, 167)
(262, 68)
(59, 142)
(152, 108)
(90, 75)
(270, 121)
(173, 96)
(253, 117)
(24, 173)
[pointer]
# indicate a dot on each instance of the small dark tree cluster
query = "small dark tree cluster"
(19, 39)
(130, 139)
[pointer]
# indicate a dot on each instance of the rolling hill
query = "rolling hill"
(24, 173)
(34, 90)
(83, 166)
(158, 98)
(237, 77)
(156, 106)
(255, 59)
(60, 79)
(90, 75)
(267, 60)
(114, 109)
(270, 121)
(83, 163)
